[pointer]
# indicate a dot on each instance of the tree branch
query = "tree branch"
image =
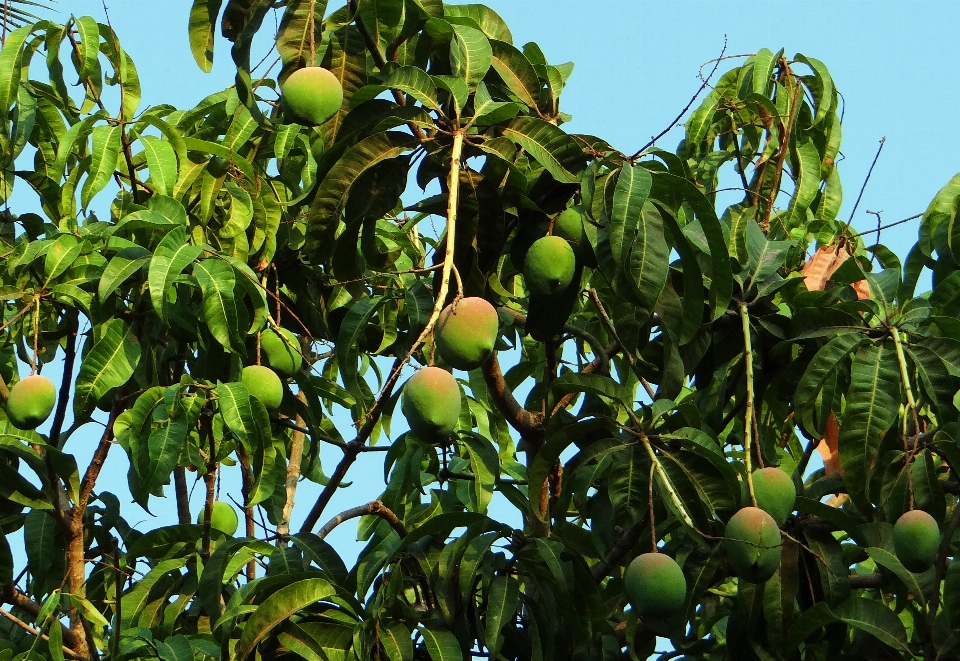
(375, 507)
(13, 596)
(627, 539)
(598, 349)
(26, 627)
(527, 424)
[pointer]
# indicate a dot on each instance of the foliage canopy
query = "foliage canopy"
(693, 344)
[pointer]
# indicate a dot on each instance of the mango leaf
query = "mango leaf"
(876, 619)
(501, 605)
(516, 72)
(11, 57)
(441, 644)
(889, 561)
(556, 151)
(109, 364)
(202, 31)
(103, 160)
(872, 405)
(169, 260)
(396, 641)
(415, 82)
(121, 266)
(217, 284)
(806, 176)
(162, 163)
(470, 54)
(633, 187)
(293, 35)
(279, 607)
(484, 466)
(325, 212)
(60, 256)
(763, 64)
(89, 45)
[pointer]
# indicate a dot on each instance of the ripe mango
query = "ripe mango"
(655, 585)
(31, 401)
(312, 95)
(264, 384)
(752, 542)
(431, 403)
(466, 332)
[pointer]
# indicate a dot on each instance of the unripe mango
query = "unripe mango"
(775, 493)
(549, 266)
(916, 538)
(655, 585)
(224, 518)
(752, 541)
(466, 332)
(569, 226)
(264, 384)
(431, 403)
(31, 401)
(312, 95)
(280, 350)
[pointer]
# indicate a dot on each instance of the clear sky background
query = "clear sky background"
(636, 67)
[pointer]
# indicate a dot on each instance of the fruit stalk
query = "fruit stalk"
(911, 403)
(748, 415)
(453, 195)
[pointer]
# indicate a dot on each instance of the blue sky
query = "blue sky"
(636, 67)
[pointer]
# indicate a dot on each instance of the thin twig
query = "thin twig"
(866, 180)
(703, 86)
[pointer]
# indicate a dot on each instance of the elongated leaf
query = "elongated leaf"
(556, 151)
(873, 401)
(823, 90)
(807, 179)
(293, 36)
(89, 44)
(501, 604)
(889, 561)
(109, 364)
(332, 194)
(219, 307)
(202, 31)
(103, 161)
(122, 265)
(162, 162)
(485, 467)
(876, 619)
(516, 71)
(277, 608)
(763, 63)
(442, 645)
(135, 600)
(11, 56)
(352, 327)
(633, 187)
(470, 54)
(172, 256)
(415, 82)
(60, 257)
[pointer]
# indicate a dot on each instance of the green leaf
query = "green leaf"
(40, 541)
(202, 31)
(279, 607)
(415, 82)
(889, 561)
(806, 176)
(822, 90)
(626, 219)
(470, 54)
(354, 325)
(89, 45)
(134, 601)
(501, 605)
(484, 466)
(556, 151)
(60, 257)
(516, 71)
(396, 641)
(298, 641)
(327, 207)
(87, 610)
(103, 161)
(217, 284)
(162, 162)
(763, 64)
(122, 265)
(11, 56)
(293, 35)
(109, 364)
(241, 211)
(441, 644)
(873, 401)
(169, 260)
(876, 619)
